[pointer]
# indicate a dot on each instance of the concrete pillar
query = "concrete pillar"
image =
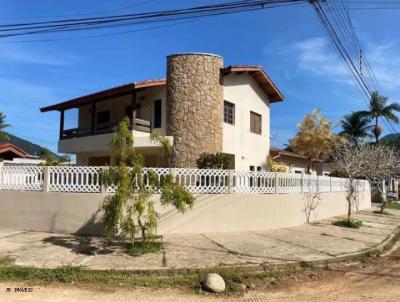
(46, 179)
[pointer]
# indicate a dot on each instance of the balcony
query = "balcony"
(138, 125)
(83, 140)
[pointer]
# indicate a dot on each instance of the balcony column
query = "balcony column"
(93, 121)
(61, 124)
(133, 104)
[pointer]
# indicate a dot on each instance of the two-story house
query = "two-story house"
(201, 106)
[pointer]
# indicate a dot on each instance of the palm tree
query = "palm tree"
(3, 125)
(378, 108)
(355, 127)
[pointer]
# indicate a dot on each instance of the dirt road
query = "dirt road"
(375, 280)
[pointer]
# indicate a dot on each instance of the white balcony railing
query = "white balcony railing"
(84, 179)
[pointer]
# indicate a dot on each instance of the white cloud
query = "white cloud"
(16, 54)
(314, 55)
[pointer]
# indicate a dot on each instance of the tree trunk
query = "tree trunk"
(375, 133)
(309, 166)
(349, 198)
(383, 198)
(143, 231)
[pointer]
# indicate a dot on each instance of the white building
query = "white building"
(202, 106)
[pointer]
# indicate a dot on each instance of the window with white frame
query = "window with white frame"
(229, 113)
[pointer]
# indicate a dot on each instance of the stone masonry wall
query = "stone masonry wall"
(195, 106)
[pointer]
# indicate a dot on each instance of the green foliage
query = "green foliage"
(348, 223)
(3, 126)
(355, 127)
(130, 210)
(138, 248)
(213, 161)
(382, 212)
(379, 108)
(165, 145)
(393, 205)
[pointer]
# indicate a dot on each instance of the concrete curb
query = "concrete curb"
(384, 245)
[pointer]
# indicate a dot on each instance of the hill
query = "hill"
(391, 137)
(31, 148)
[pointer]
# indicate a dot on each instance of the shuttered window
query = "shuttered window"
(255, 122)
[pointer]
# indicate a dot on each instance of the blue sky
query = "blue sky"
(289, 42)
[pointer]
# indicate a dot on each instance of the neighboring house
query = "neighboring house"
(11, 155)
(201, 106)
(298, 163)
(9, 151)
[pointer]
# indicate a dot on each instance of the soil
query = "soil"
(374, 279)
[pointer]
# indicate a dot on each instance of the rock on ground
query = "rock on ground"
(213, 283)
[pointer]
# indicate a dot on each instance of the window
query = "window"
(229, 113)
(157, 114)
(128, 111)
(255, 122)
(103, 117)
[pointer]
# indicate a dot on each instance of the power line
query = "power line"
(53, 26)
(86, 14)
(335, 18)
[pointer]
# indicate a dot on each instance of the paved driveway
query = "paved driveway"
(321, 241)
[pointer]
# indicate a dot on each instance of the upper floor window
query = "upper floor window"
(103, 117)
(229, 113)
(157, 114)
(255, 122)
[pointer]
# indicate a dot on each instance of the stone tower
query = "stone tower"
(195, 106)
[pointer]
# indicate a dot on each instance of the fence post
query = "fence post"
(302, 182)
(330, 183)
(46, 179)
(231, 175)
(276, 182)
(173, 173)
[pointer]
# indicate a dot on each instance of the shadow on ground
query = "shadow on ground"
(86, 245)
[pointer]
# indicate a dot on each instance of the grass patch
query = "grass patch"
(348, 223)
(190, 280)
(5, 261)
(138, 248)
(393, 205)
(383, 213)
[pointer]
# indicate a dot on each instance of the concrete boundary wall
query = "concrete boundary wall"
(81, 212)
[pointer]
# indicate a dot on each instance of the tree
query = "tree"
(351, 160)
(314, 138)
(277, 167)
(355, 127)
(374, 162)
(382, 162)
(378, 108)
(3, 126)
(131, 210)
(166, 148)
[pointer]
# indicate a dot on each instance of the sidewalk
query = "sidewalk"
(321, 241)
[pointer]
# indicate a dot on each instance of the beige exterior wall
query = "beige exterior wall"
(249, 148)
(300, 165)
(79, 212)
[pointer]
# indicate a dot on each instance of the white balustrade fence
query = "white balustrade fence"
(84, 179)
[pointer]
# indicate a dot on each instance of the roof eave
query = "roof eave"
(105, 94)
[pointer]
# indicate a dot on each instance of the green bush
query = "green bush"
(213, 161)
(348, 223)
